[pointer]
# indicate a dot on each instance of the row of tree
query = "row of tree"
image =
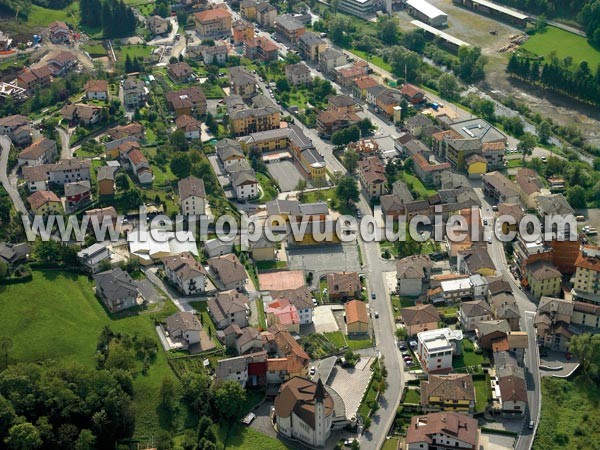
(579, 82)
(114, 17)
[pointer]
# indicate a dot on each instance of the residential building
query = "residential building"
(106, 180)
(418, 122)
(190, 101)
(513, 395)
(93, 257)
(358, 8)
(185, 274)
(500, 188)
(191, 127)
(476, 165)
(435, 348)
(330, 121)
(246, 120)
(248, 370)
(59, 32)
(192, 196)
(43, 203)
(184, 327)
(248, 9)
(553, 205)
(245, 185)
(452, 392)
(229, 151)
(5, 41)
(229, 271)
(42, 151)
(442, 431)
(361, 84)
(552, 322)
(17, 128)
(242, 31)
(82, 114)
(413, 94)
(472, 312)
(298, 74)
(285, 346)
(35, 177)
(261, 48)
(100, 215)
(301, 298)
(586, 280)
(35, 78)
(504, 306)
(139, 165)
(304, 411)
(263, 250)
(489, 331)
(266, 14)
(456, 288)
(213, 22)
(229, 307)
(357, 318)
(420, 318)
(412, 274)
(311, 46)
(216, 247)
(157, 25)
(243, 83)
(330, 59)
(134, 93)
(77, 195)
(544, 279)
(428, 173)
(96, 89)
(210, 54)
(371, 173)
(346, 75)
(117, 290)
(586, 315)
(289, 28)
(181, 72)
(476, 260)
(284, 313)
(344, 286)
(530, 187)
(13, 254)
(61, 62)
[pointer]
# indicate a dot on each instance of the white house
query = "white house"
(435, 348)
(192, 196)
(472, 312)
(186, 274)
(96, 89)
(93, 256)
(184, 327)
(40, 152)
(412, 273)
(245, 184)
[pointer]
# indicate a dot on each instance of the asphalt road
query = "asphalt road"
(9, 181)
(527, 309)
(65, 144)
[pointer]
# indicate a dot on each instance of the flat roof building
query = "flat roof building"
(427, 13)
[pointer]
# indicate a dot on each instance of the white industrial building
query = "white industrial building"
(435, 348)
(359, 8)
(427, 13)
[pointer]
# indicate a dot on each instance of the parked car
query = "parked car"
(531, 424)
(373, 296)
(313, 370)
(376, 315)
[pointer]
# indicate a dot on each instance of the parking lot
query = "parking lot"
(286, 174)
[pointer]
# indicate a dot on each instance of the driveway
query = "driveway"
(65, 144)
(286, 174)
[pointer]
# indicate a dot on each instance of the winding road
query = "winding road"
(9, 181)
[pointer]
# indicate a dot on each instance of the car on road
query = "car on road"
(544, 159)
(489, 240)
(531, 424)
(373, 296)
(402, 345)
(485, 222)
(349, 442)
(247, 420)
(313, 370)
(376, 315)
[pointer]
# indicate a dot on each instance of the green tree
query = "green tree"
(388, 31)
(586, 348)
(366, 126)
(179, 141)
(7, 415)
(23, 436)
(351, 160)
(526, 144)
(181, 165)
(46, 251)
(168, 395)
(576, 196)
(3, 270)
(347, 190)
(229, 398)
(283, 85)
(544, 131)
(447, 85)
(196, 391)
(85, 441)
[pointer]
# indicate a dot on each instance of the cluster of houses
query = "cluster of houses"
(42, 74)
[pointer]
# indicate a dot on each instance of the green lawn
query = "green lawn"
(376, 60)
(359, 344)
(468, 357)
(564, 44)
(56, 317)
(391, 444)
(570, 413)
(134, 51)
(417, 185)
(336, 338)
(241, 437)
(41, 17)
(95, 50)
(207, 321)
(412, 396)
(260, 307)
(270, 265)
(483, 393)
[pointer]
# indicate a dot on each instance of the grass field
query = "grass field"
(377, 60)
(565, 44)
(483, 393)
(41, 17)
(391, 444)
(56, 317)
(336, 338)
(570, 415)
(412, 396)
(240, 437)
(468, 357)
(359, 344)
(95, 50)
(134, 51)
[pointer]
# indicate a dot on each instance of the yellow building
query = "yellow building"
(357, 318)
(586, 280)
(476, 166)
(453, 392)
(248, 121)
(248, 9)
(213, 22)
(544, 279)
(263, 250)
(45, 202)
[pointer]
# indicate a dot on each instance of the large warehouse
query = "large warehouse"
(427, 13)
(451, 42)
(496, 11)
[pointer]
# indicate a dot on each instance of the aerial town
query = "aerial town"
(139, 310)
